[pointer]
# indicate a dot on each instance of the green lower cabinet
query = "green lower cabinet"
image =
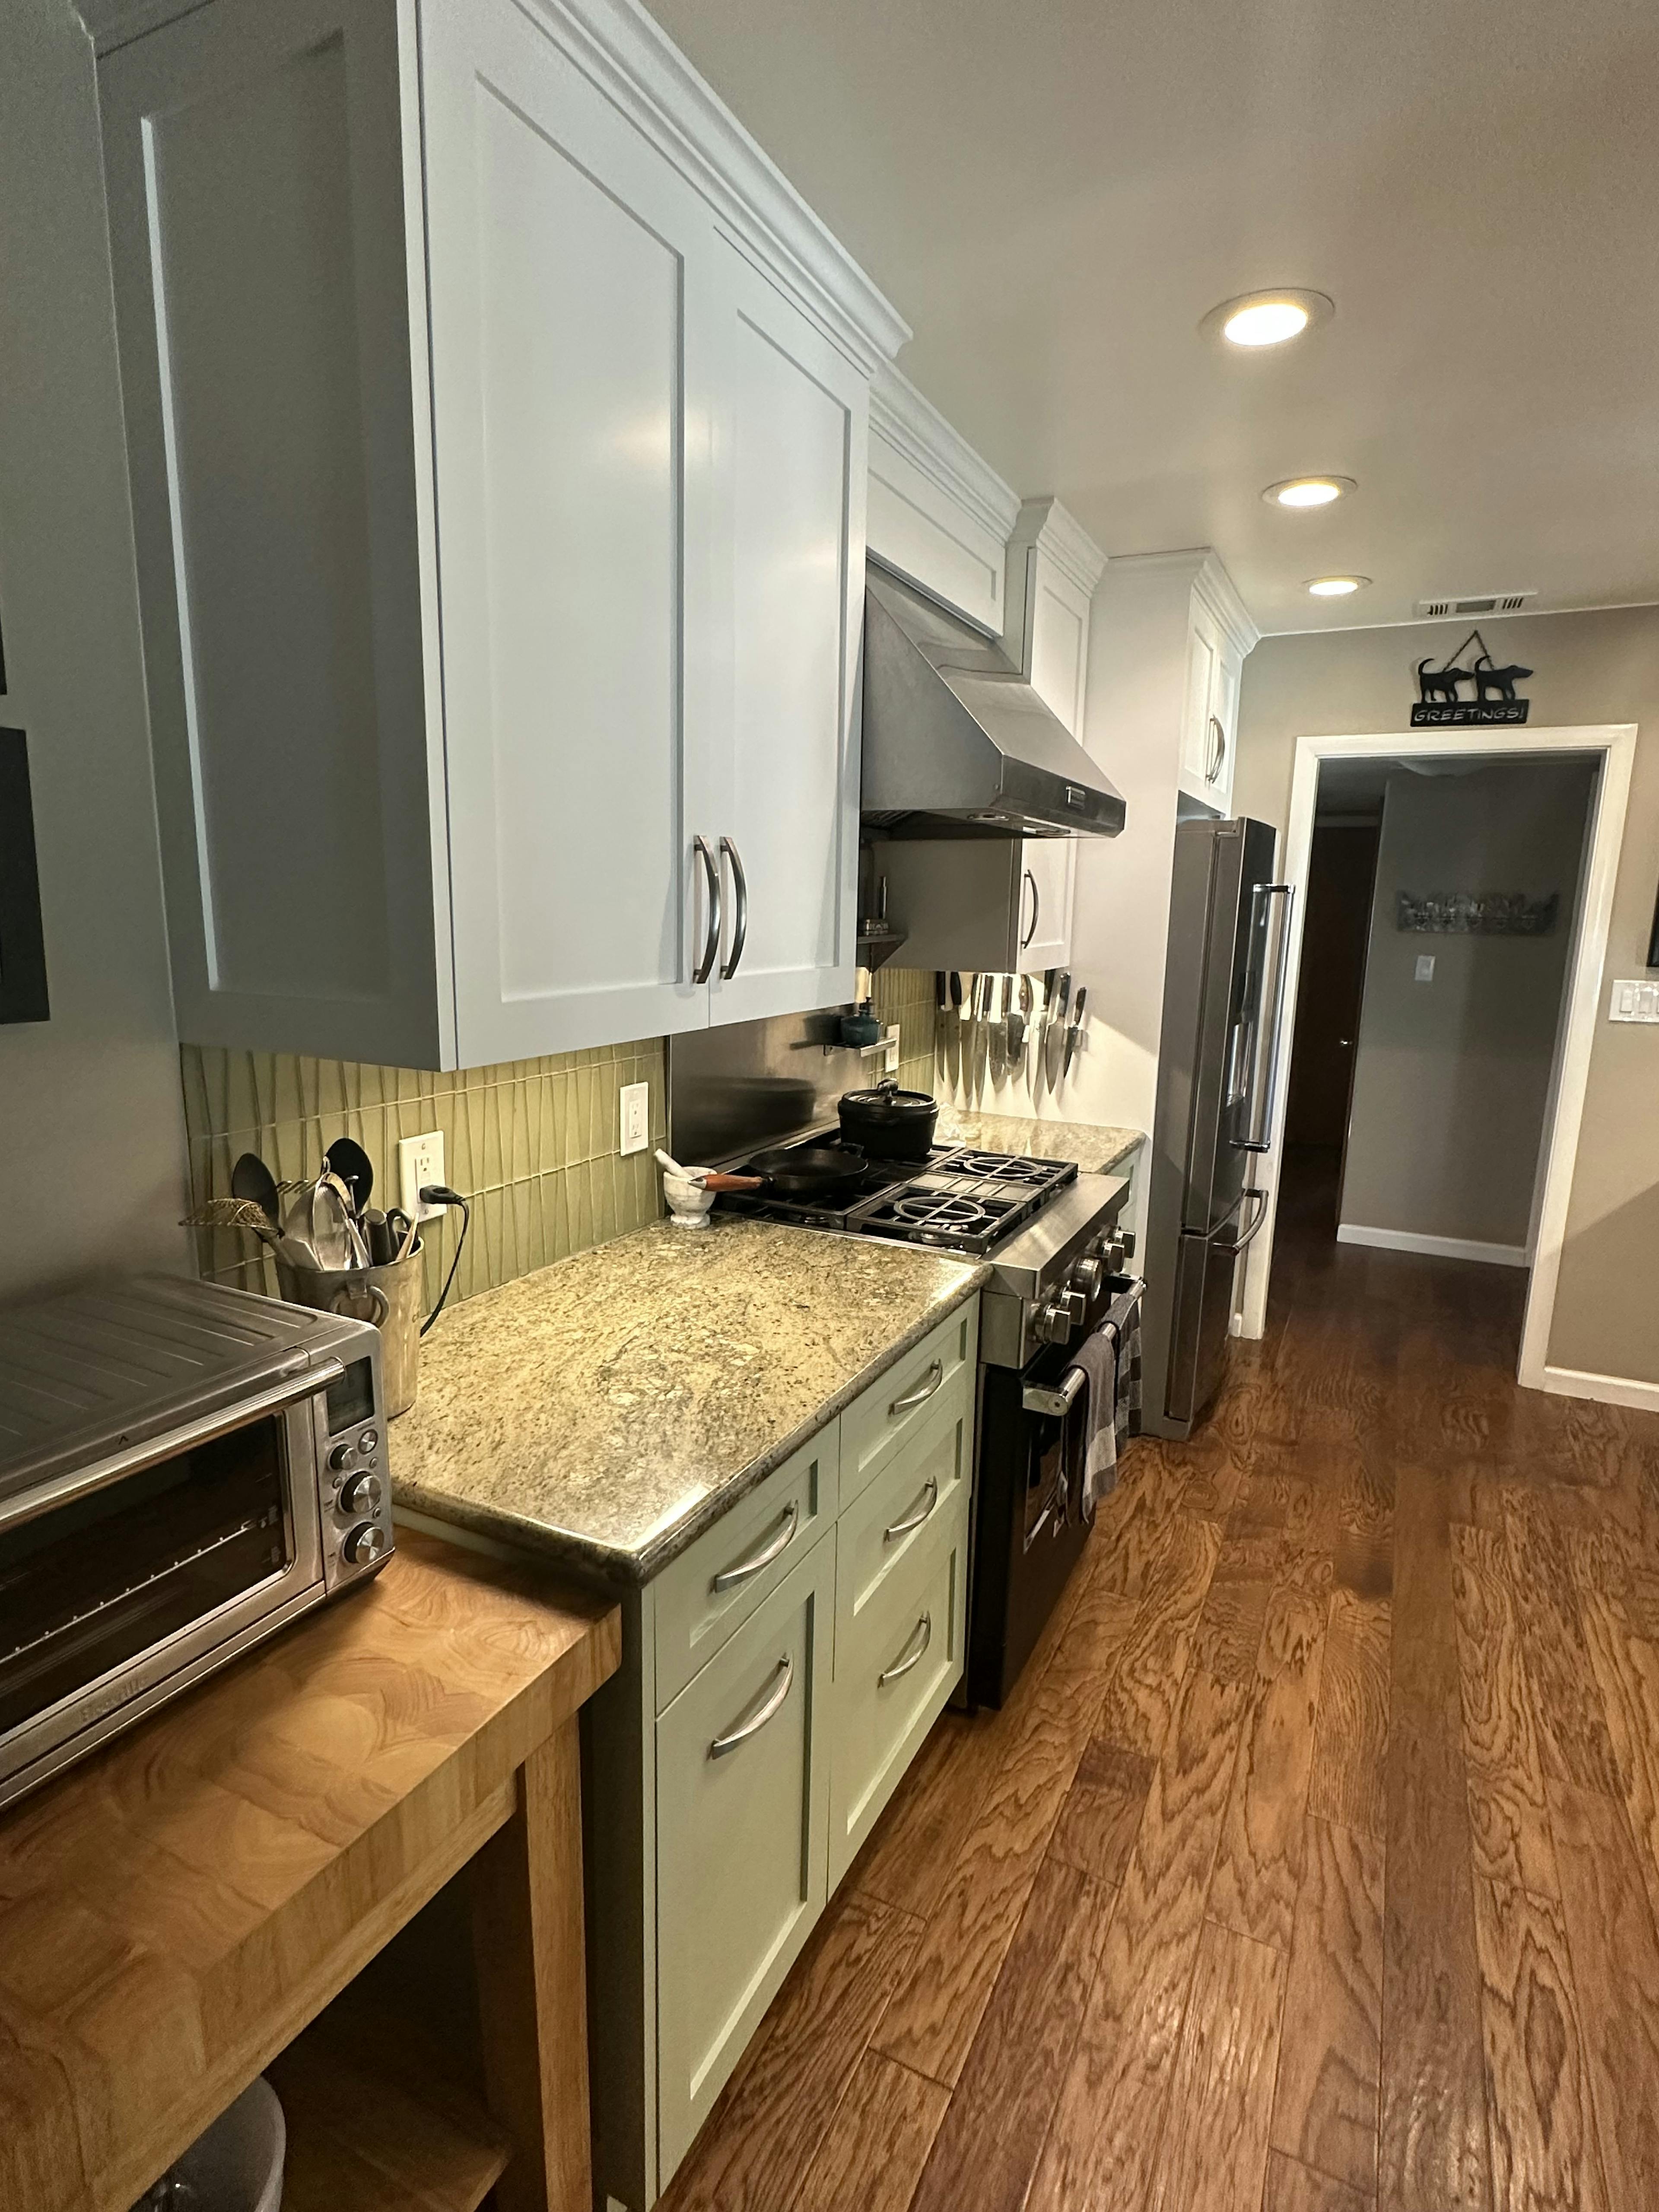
(896, 1662)
(743, 1785)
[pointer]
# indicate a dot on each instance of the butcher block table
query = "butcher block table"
(182, 1911)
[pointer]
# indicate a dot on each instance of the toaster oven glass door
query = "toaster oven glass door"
(89, 1587)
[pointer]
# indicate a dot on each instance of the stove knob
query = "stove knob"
(1076, 1305)
(361, 1493)
(1052, 1322)
(366, 1544)
(1088, 1275)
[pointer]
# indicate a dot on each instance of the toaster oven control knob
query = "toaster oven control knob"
(361, 1493)
(342, 1456)
(366, 1544)
(368, 1443)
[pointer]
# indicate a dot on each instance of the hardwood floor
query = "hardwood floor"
(1313, 1865)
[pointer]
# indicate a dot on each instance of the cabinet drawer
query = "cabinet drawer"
(875, 1426)
(742, 1829)
(916, 1493)
(712, 1588)
(896, 1664)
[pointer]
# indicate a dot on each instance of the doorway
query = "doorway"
(1424, 1119)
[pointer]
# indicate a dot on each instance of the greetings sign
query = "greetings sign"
(1459, 694)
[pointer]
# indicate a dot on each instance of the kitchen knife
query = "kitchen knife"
(1054, 1042)
(1016, 1031)
(1074, 1034)
(998, 1027)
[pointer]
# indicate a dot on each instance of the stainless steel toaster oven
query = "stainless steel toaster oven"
(183, 1469)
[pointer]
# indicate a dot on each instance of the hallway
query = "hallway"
(1314, 1865)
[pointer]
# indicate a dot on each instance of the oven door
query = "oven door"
(119, 1579)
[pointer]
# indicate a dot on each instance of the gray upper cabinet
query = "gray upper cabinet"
(497, 422)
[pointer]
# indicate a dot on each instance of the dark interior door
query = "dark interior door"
(1341, 872)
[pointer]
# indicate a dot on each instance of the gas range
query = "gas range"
(1046, 1231)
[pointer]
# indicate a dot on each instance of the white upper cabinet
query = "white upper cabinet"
(1054, 566)
(938, 516)
(1219, 635)
(497, 420)
(792, 440)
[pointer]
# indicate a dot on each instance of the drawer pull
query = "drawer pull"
(922, 1392)
(769, 1707)
(920, 1636)
(914, 1520)
(728, 1578)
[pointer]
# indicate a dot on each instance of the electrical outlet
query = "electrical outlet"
(635, 1116)
(420, 1162)
(1424, 968)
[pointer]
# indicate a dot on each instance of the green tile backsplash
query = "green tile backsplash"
(908, 996)
(531, 1143)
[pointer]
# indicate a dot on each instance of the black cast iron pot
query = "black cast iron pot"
(890, 1124)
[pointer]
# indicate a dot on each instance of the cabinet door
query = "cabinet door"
(742, 1839)
(255, 162)
(1056, 660)
(1197, 734)
(792, 436)
(1047, 870)
(574, 319)
(1224, 734)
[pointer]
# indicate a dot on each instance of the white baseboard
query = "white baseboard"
(1607, 1389)
(1438, 1247)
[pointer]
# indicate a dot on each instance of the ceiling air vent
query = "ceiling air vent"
(1475, 603)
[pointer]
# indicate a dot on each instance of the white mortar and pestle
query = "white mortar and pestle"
(692, 1192)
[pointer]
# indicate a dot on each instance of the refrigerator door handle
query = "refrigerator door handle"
(1264, 1054)
(1231, 1251)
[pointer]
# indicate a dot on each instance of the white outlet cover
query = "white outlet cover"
(635, 1134)
(419, 1161)
(1424, 968)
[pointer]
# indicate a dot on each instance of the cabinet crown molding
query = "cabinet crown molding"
(915, 428)
(1201, 565)
(1056, 531)
(617, 45)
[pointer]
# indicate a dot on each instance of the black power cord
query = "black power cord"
(439, 1193)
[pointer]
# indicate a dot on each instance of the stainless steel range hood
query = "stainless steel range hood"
(956, 743)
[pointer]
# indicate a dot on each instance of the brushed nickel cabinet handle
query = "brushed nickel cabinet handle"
(740, 920)
(923, 1393)
(915, 1521)
(770, 1706)
(921, 1636)
(728, 1578)
(705, 967)
(1214, 768)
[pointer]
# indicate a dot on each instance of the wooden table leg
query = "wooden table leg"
(532, 1989)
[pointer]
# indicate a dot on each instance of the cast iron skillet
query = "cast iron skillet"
(810, 1172)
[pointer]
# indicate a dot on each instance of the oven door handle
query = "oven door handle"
(1038, 1398)
(14, 1511)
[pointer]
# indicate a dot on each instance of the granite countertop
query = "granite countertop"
(604, 1410)
(1095, 1149)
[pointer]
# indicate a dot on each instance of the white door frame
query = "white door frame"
(1615, 742)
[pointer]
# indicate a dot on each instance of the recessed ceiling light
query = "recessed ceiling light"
(1308, 491)
(1267, 318)
(1337, 588)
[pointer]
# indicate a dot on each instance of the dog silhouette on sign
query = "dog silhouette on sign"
(1440, 683)
(1492, 683)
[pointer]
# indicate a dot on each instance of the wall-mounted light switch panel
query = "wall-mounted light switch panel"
(635, 1116)
(1634, 1000)
(1424, 968)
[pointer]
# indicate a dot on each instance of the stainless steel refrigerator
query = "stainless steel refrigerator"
(1222, 987)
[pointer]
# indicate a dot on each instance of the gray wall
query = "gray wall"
(1599, 667)
(1451, 1077)
(90, 1106)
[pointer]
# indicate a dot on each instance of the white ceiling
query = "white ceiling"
(1053, 194)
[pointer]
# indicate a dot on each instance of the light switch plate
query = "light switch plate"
(635, 1116)
(420, 1162)
(1634, 999)
(1424, 968)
